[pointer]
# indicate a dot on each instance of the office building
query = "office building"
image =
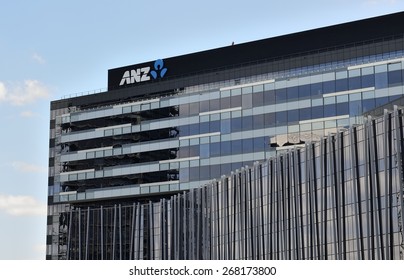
(131, 169)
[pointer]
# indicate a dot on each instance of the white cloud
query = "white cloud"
(23, 93)
(3, 92)
(20, 205)
(36, 57)
(28, 168)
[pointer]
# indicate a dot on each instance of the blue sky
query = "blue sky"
(49, 49)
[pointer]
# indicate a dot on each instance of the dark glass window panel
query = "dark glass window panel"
(305, 114)
(259, 144)
(368, 81)
(343, 108)
(394, 97)
(236, 165)
(248, 146)
(204, 150)
(235, 101)
(247, 101)
(394, 78)
(225, 169)
(341, 85)
(381, 101)
(215, 172)
(194, 174)
(204, 127)
(317, 112)
(293, 116)
(236, 147)
(215, 149)
(329, 86)
(381, 80)
(236, 125)
(354, 82)
(270, 119)
(368, 104)
(214, 126)
(269, 97)
(258, 99)
(293, 93)
(258, 121)
(184, 175)
(204, 106)
(355, 108)
(281, 118)
(194, 108)
(225, 103)
(184, 152)
(184, 110)
(184, 130)
(225, 148)
(304, 91)
(204, 172)
(194, 151)
(247, 123)
(316, 89)
(330, 110)
(194, 129)
(225, 126)
(281, 95)
(214, 105)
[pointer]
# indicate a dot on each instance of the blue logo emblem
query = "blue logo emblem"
(159, 70)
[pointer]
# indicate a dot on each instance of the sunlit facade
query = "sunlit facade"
(127, 165)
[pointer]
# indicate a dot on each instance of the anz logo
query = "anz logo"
(144, 74)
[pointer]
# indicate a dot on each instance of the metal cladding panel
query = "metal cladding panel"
(323, 201)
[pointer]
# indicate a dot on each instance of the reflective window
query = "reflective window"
(368, 81)
(247, 123)
(215, 149)
(235, 101)
(317, 112)
(341, 85)
(225, 126)
(281, 118)
(225, 103)
(316, 89)
(330, 110)
(305, 114)
(248, 146)
(204, 151)
(394, 78)
(343, 108)
(293, 116)
(225, 148)
(329, 86)
(258, 121)
(258, 99)
(194, 108)
(304, 91)
(293, 93)
(247, 101)
(236, 147)
(281, 95)
(236, 125)
(269, 97)
(270, 119)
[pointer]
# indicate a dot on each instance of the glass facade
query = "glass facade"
(338, 198)
(122, 158)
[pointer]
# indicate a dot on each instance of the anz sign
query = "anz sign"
(144, 74)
